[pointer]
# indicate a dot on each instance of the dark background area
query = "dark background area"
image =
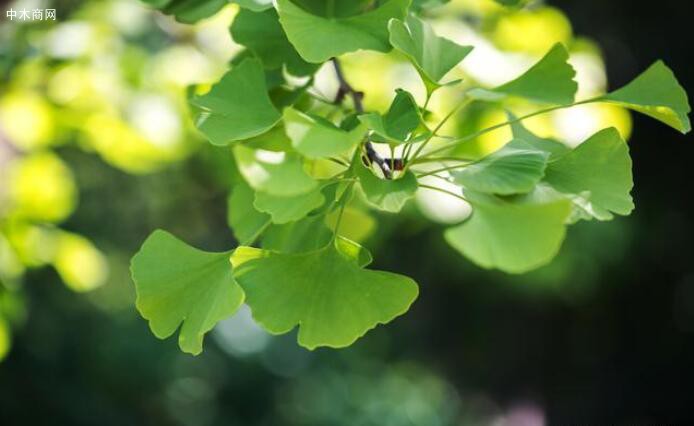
(613, 344)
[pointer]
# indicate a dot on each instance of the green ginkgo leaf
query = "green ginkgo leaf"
(288, 209)
(433, 56)
(550, 146)
(246, 222)
(238, 107)
(319, 38)
(327, 292)
(276, 173)
(262, 33)
(551, 80)
(658, 94)
(308, 234)
(315, 137)
(510, 235)
(514, 169)
(188, 11)
(399, 123)
(597, 174)
(386, 194)
(179, 284)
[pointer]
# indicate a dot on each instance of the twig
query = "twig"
(345, 90)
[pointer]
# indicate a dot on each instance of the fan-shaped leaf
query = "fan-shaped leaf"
(514, 169)
(318, 38)
(386, 194)
(658, 94)
(277, 173)
(245, 221)
(511, 235)
(433, 56)
(398, 124)
(288, 209)
(238, 106)
(178, 284)
(597, 174)
(327, 293)
(551, 80)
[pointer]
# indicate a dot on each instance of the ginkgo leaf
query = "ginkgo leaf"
(245, 221)
(433, 56)
(515, 237)
(238, 106)
(315, 137)
(308, 234)
(550, 146)
(288, 209)
(597, 174)
(262, 33)
(514, 169)
(318, 38)
(658, 94)
(327, 292)
(277, 173)
(188, 11)
(551, 80)
(179, 284)
(398, 124)
(386, 194)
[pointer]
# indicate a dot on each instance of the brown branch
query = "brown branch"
(345, 90)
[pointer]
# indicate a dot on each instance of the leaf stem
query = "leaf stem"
(504, 124)
(443, 191)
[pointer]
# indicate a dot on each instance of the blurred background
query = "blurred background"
(97, 149)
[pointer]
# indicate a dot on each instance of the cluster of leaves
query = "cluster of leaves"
(304, 159)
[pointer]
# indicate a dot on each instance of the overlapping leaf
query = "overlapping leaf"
(399, 123)
(315, 137)
(291, 208)
(386, 194)
(178, 284)
(276, 173)
(550, 146)
(262, 33)
(597, 175)
(319, 38)
(551, 80)
(514, 169)
(188, 11)
(327, 292)
(238, 106)
(245, 221)
(658, 94)
(513, 235)
(433, 56)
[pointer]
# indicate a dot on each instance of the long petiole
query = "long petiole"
(444, 169)
(443, 191)
(504, 124)
(343, 202)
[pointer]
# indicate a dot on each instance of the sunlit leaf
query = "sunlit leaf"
(315, 137)
(551, 80)
(262, 33)
(327, 293)
(419, 5)
(597, 174)
(244, 220)
(238, 106)
(288, 209)
(178, 284)
(516, 168)
(398, 124)
(515, 237)
(433, 56)
(386, 194)
(658, 94)
(277, 173)
(510, 3)
(318, 38)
